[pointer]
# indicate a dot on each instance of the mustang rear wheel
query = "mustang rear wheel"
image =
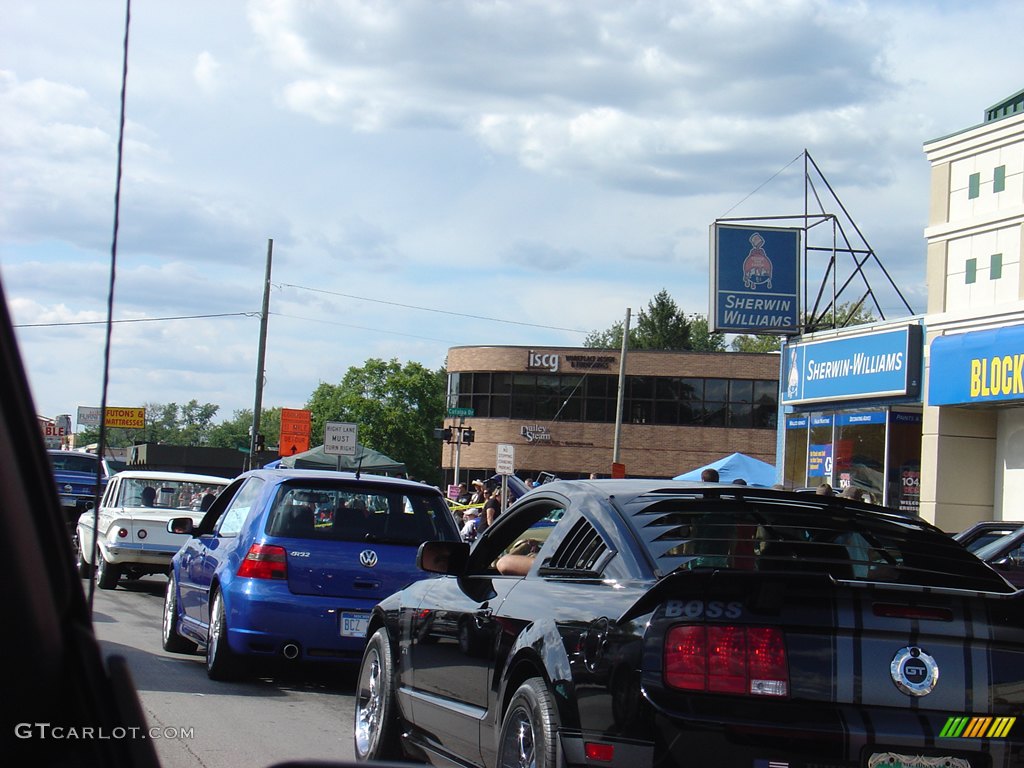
(221, 661)
(529, 730)
(107, 573)
(376, 722)
(172, 641)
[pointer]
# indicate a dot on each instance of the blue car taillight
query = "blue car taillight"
(264, 561)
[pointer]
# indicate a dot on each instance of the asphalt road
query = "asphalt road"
(280, 713)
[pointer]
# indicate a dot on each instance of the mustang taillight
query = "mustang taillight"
(727, 659)
(264, 561)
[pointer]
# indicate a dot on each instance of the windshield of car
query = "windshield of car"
(359, 513)
(70, 461)
(166, 494)
(688, 534)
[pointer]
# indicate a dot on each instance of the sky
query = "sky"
(441, 173)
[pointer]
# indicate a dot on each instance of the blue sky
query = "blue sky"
(436, 174)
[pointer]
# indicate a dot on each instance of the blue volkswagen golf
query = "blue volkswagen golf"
(289, 563)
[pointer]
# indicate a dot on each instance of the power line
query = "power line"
(429, 309)
(135, 320)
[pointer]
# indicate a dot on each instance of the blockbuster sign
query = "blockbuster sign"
(755, 279)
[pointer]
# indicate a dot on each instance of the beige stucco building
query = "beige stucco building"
(973, 433)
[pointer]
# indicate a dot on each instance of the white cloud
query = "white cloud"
(544, 161)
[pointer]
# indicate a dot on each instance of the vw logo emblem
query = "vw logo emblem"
(914, 671)
(368, 558)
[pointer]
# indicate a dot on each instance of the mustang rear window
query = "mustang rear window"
(356, 514)
(765, 535)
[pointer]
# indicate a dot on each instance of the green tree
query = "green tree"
(701, 337)
(396, 407)
(661, 326)
(170, 423)
(846, 314)
(234, 432)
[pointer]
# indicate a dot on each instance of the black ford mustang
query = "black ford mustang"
(665, 623)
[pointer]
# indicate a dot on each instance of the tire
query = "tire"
(85, 568)
(107, 573)
(170, 639)
(529, 730)
(221, 661)
(376, 730)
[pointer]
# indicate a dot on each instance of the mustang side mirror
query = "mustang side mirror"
(448, 557)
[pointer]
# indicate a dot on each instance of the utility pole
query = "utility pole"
(618, 405)
(261, 357)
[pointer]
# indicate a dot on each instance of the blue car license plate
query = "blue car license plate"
(354, 624)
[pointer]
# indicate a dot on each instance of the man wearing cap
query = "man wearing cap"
(471, 517)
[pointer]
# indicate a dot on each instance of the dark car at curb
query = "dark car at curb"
(984, 533)
(668, 623)
(287, 564)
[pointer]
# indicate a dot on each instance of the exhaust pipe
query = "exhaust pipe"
(290, 651)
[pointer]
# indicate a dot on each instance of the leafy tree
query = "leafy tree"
(234, 433)
(661, 326)
(846, 314)
(189, 424)
(396, 408)
(701, 337)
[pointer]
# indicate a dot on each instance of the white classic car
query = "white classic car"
(132, 522)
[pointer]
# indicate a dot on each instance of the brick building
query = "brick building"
(557, 407)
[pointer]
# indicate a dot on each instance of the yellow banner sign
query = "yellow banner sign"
(125, 418)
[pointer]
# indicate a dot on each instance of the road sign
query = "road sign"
(506, 460)
(295, 427)
(464, 412)
(340, 438)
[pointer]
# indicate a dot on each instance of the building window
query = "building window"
(661, 400)
(974, 186)
(995, 270)
(971, 271)
(999, 179)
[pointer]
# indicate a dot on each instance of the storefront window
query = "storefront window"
(859, 453)
(878, 452)
(819, 451)
(903, 477)
(794, 471)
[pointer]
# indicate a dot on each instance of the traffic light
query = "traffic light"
(443, 434)
(261, 442)
(468, 435)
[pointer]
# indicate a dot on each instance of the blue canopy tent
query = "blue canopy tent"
(735, 465)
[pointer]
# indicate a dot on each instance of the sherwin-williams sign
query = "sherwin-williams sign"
(755, 279)
(977, 367)
(869, 366)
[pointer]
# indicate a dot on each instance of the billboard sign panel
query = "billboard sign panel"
(755, 280)
(867, 366)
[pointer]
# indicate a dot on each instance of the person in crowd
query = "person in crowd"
(463, 495)
(492, 508)
(479, 493)
(709, 475)
(739, 481)
(825, 490)
(471, 525)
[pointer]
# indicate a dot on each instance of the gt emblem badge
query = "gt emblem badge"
(368, 558)
(914, 671)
